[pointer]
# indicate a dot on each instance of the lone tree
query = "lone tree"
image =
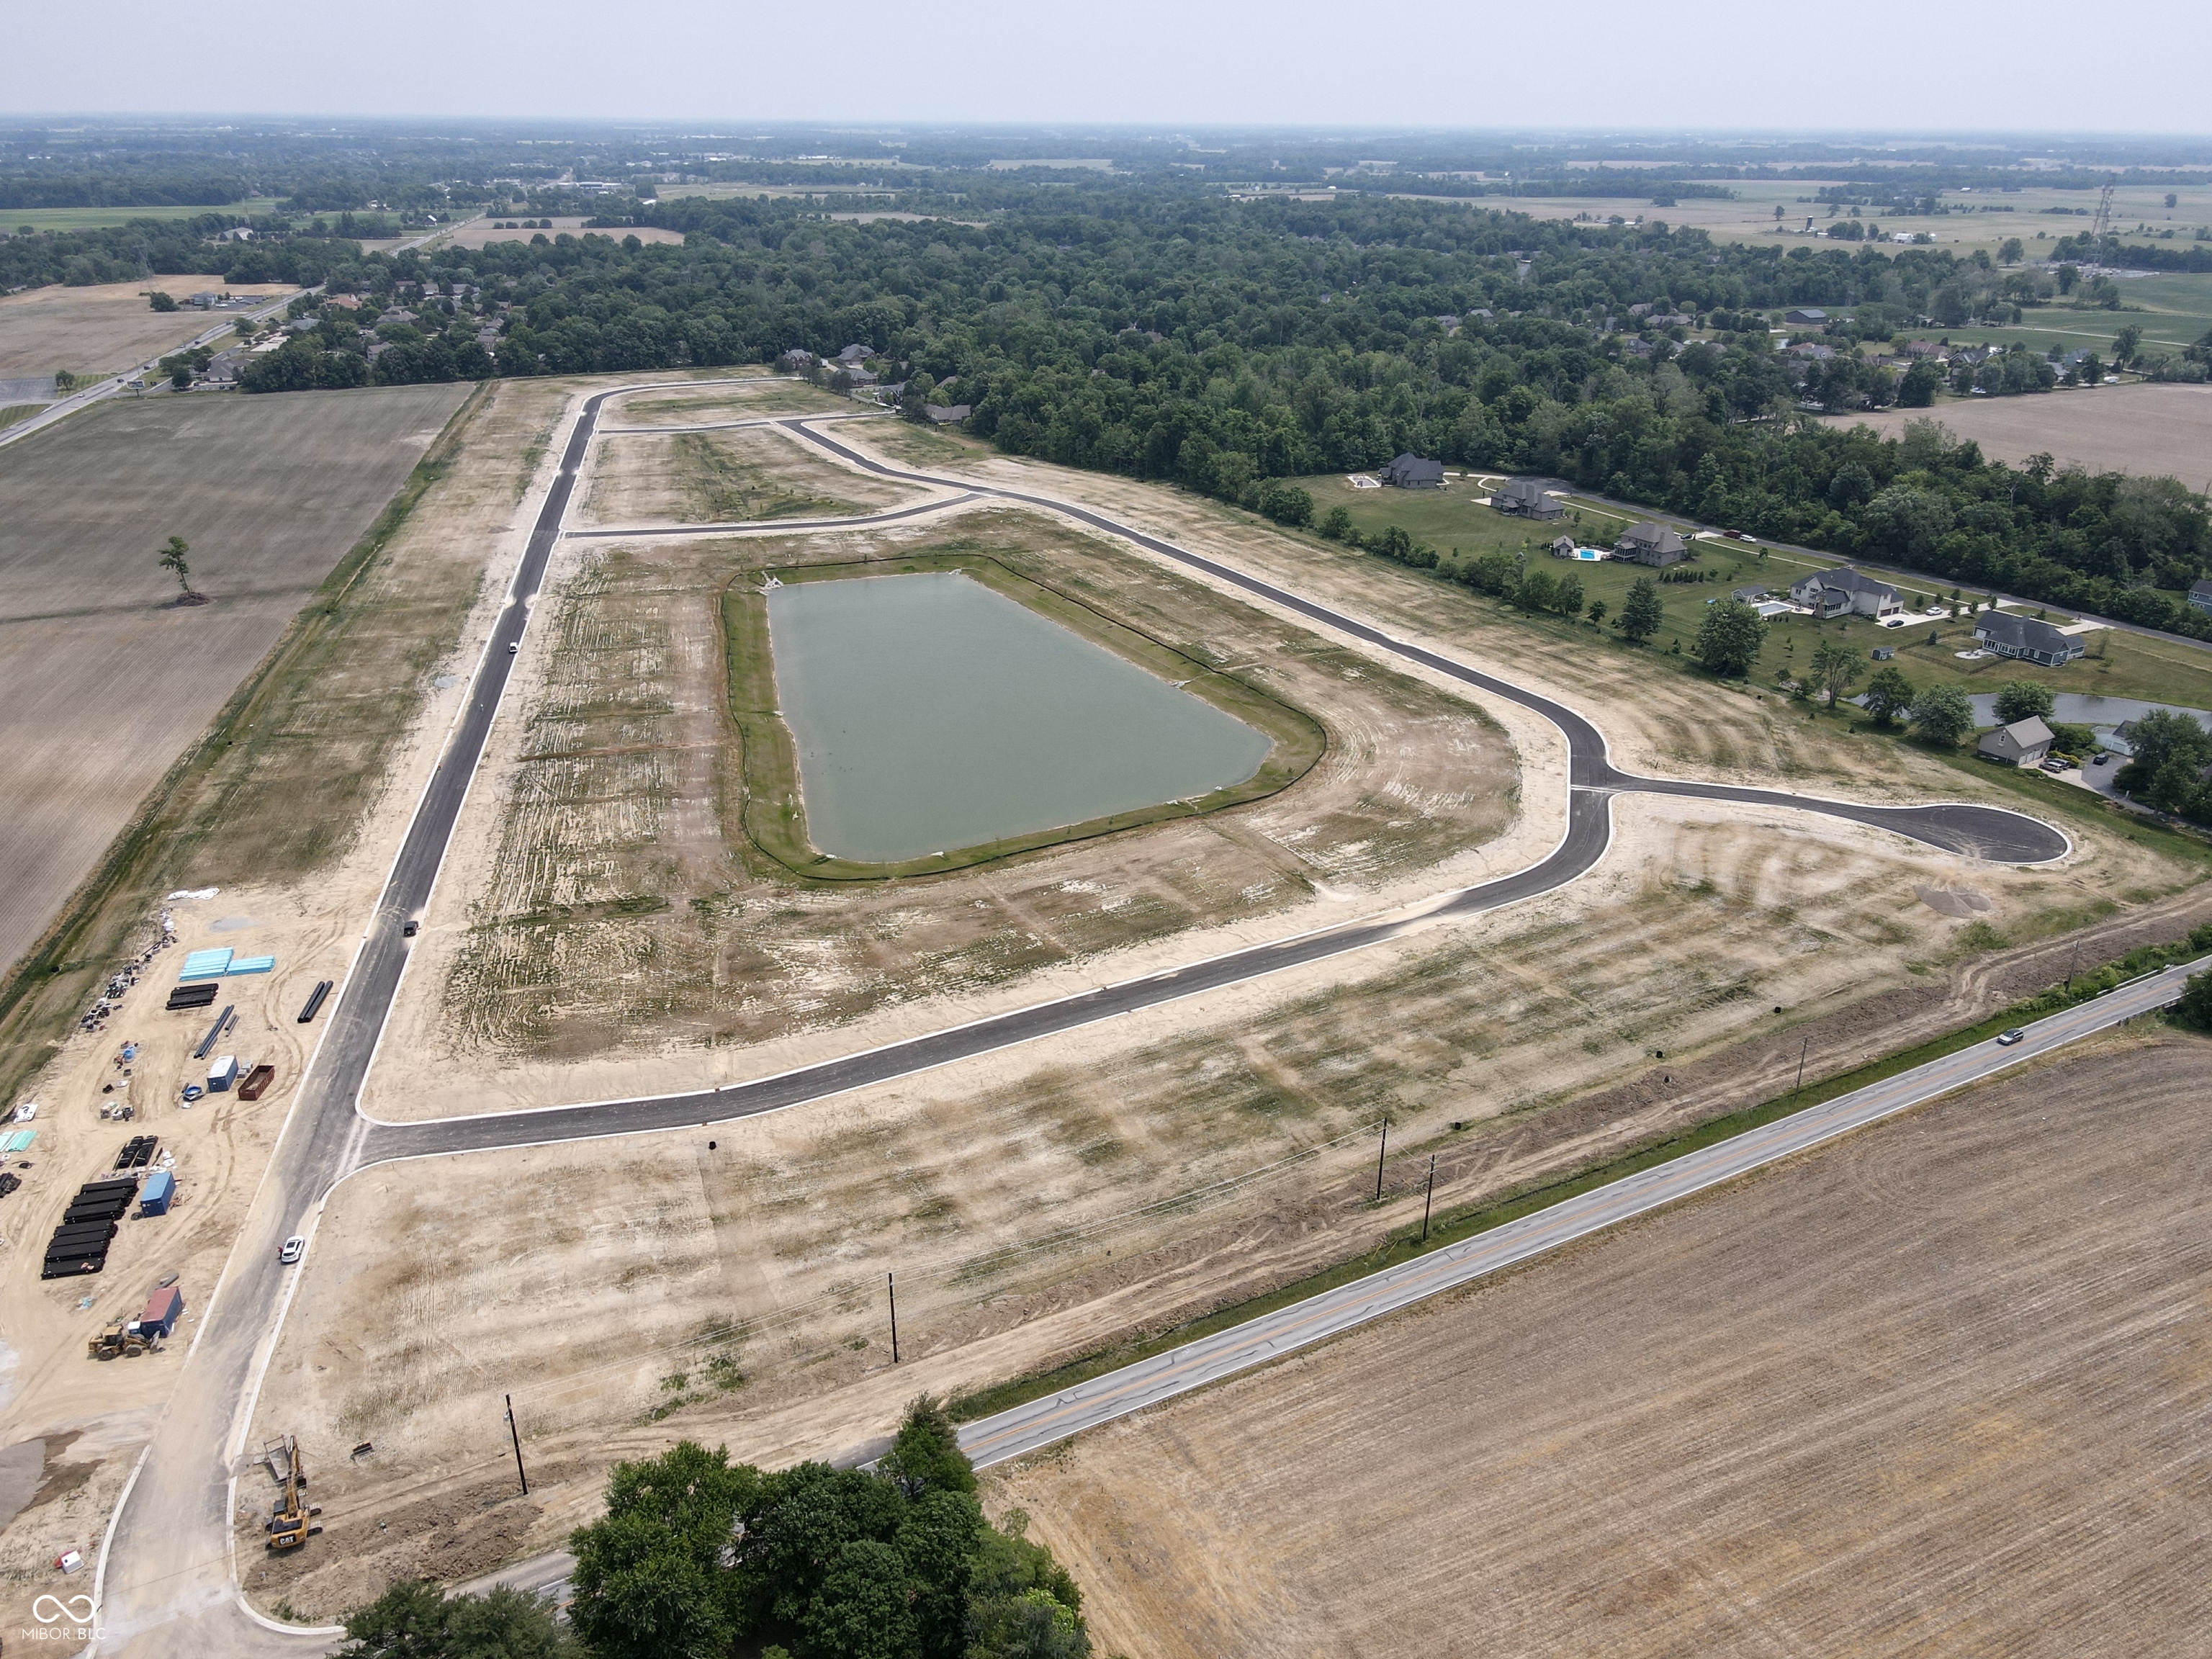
(1640, 612)
(1835, 669)
(1888, 695)
(1943, 715)
(2018, 700)
(173, 561)
(1730, 638)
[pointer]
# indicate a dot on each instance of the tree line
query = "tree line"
(699, 1558)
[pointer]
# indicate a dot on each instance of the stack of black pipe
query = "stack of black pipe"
(80, 1244)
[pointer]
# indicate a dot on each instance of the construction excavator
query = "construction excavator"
(290, 1526)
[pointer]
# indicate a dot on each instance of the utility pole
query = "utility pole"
(515, 1434)
(1382, 1152)
(2072, 963)
(1801, 1070)
(891, 1283)
(1428, 1202)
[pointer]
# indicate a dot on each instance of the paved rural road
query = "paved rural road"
(1041, 1422)
(165, 1584)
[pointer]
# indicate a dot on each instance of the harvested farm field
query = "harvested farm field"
(1944, 1387)
(111, 678)
(95, 330)
(2147, 430)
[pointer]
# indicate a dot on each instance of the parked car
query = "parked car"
(2006, 1039)
(2103, 755)
(295, 1248)
(2055, 763)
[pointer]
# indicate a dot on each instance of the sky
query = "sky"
(1917, 65)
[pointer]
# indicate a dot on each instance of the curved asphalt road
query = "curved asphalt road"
(165, 1582)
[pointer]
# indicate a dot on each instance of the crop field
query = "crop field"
(20, 220)
(110, 678)
(723, 477)
(95, 330)
(2149, 430)
(1937, 1359)
(615, 840)
(2118, 664)
(1974, 220)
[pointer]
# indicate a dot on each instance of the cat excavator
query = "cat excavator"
(288, 1527)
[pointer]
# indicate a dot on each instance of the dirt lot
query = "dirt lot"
(479, 231)
(1966, 1359)
(753, 391)
(111, 678)
(2151, 430)
(621, 922)
(95, 330)
(724, 478)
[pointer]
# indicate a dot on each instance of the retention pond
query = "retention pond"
(931, 713)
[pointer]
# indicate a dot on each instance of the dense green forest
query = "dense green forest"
(1219, 344)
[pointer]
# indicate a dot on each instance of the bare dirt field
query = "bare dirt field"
(1042, 1204)
(1944, 1389)
(725, 478)
(94, 331)
(478, 232)
(758, 393)
(111, 678)
(2149, 430)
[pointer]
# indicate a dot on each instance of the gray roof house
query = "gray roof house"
(1806, 317)
(2004, 634)
(2024, 743)
(1412, 472)
(1652, 543)
(1844, 592)
(1562, 547)
(946, 414)
(2200, 594)
(797, 357)
(1527, 499)
(856, 353)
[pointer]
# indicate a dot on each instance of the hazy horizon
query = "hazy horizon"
(1719, 66)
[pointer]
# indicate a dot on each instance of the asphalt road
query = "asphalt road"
(1026, 1428)
(165, 1581)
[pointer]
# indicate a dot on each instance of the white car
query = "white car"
(2005, 1040)
(295, 1248)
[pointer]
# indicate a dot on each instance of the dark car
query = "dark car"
(2006, 1039)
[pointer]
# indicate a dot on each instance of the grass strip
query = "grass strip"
(1466, 1221)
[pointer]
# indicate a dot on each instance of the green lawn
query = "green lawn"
(2121, 665)
(96, 218)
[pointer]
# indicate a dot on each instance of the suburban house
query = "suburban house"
(1525, 498)
(796, 358)
(1806, 317)
(1844, 592)
(2024, 743)
(2200, 594)
(946, 414)
(2004, 634)
(1412, 472)
(855, 353)
(222, 369)
(1652, 543)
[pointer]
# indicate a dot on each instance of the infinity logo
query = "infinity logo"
(53, 1610)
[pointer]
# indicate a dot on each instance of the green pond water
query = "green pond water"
(931, 712)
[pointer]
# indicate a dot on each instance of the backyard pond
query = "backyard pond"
(931, 713)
